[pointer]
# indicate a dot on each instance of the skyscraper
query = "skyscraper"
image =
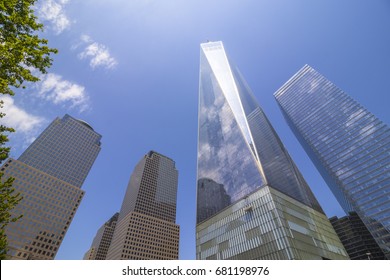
(146, 226)
(102, 240)
(49, 175)
(252, 201)
(356, 238)
(349, 146)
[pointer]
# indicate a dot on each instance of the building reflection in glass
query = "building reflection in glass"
(212, 198)
(252, 201)
(237, 146)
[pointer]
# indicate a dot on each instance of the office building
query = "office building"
(146, 226)
(90, 254)
(349, 146)
(356, 238)
(102, 240)
(252, 202)
(49, 175)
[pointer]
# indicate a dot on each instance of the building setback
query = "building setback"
(252, 202)
(102, 240)
(49, 175)
(349, 146)
(146, 226)
(356, 238)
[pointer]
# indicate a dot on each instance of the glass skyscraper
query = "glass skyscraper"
(349, 146)
(252, 202)
(356, 238)
(49, 175)
(146, 228)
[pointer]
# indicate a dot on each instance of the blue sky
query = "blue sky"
(131, 70)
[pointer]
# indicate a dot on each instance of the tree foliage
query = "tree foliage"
(22, 54)
(21, 48)
(8, 202)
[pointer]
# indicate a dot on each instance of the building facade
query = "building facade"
(90, 254)
(349, 146)
(146, 227)
(49, 175)
(66, 150)
(252, 202)
(102, 240)
(356, 238)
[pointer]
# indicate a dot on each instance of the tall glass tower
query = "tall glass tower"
(252, 202)
(146, 228)
(349, 146)
(49, 175)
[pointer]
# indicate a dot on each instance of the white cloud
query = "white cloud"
(54, 88)
(53, 11)
(98, 54)
(86, 39)
(19, 119)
